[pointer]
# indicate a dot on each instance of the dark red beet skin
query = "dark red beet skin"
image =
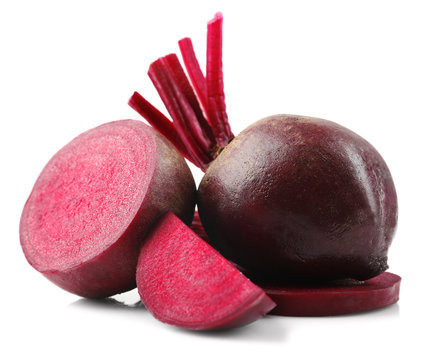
(184, 282)
(95, 201)
(295, 198)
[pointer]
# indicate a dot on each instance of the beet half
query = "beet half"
(95, 201)
(183, 281)
(294, 198)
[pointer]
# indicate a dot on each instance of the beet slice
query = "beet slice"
(95, 201)
(183, 281)
(374, 293)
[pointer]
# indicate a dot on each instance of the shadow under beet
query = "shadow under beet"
(126, 301)
(266, 329)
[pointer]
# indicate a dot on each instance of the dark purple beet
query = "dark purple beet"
(295, 198)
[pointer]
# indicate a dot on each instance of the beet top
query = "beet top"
(95, 201)
(300, 199)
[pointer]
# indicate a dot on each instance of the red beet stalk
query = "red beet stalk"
(197, 107)
(183, 281)
(196, 76)
(215, 82)
(159, 121)
(164, 75)
(195, 118)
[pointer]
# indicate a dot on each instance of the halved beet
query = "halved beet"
(183, 281)
(353, 297)
(95, 201)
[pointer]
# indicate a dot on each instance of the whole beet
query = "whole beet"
(300, 199)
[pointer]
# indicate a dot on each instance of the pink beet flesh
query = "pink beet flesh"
(374, 293)
(95, 201)
(183, 281)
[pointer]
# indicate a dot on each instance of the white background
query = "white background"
(371, 66)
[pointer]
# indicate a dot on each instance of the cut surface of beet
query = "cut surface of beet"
(94, 202)
(183, 281)
(380, 291)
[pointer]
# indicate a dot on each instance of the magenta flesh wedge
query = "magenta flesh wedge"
(184, 282)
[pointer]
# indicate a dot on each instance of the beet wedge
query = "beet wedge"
(378, 292)
(95, 201)
(184, 282)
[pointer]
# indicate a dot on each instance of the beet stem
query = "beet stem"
(194, 117)
(200, 127)
(217, 114)
(160, 74)
(196, 76)
(158, 121)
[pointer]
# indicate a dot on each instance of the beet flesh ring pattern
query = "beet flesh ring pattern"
(300, 199)
(95, 201)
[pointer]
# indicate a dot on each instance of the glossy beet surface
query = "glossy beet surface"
(294, 198)
(95, 201)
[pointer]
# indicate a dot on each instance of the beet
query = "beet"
(328, 300)
(294, 198)
(291, 199)
(183, 281)
(95, 201)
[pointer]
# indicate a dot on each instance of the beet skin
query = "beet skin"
(95, 201)
(295, 198)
